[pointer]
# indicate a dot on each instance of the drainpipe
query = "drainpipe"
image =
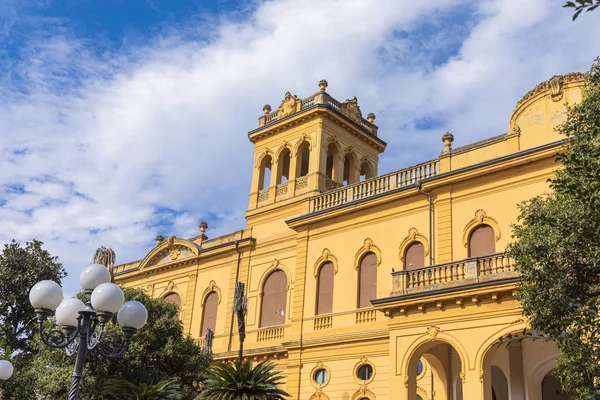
(237, 275)
(430, 198)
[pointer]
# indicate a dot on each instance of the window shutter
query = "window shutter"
(325, 289)
(209, 319)
(367, 280)
(414, 258)
(274, 300)
(481, 241)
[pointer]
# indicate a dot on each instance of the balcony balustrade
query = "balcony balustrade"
(457, 273)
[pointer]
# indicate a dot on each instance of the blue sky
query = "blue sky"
(124, 119)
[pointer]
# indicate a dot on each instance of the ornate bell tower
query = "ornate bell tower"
(309, 146)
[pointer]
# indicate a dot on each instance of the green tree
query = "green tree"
(582, 5)
(557, 250)
(20, 269)
(159, 350)
(122, 389)
(240, 381)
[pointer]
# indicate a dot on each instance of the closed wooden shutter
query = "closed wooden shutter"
(414, 258)
(209, 318)
(367, 280)
(274, 300)
(175, 299)
(325, 289)
(481, 241)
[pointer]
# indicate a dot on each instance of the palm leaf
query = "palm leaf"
(165, 389)
(240, 381)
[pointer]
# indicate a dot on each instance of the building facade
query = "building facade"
(367, 286)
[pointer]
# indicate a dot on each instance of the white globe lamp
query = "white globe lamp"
(93, 276)
(68, 312)
(45, 297)
(6, 370)
(133, 314)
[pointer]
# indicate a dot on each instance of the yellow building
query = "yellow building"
(367, 286)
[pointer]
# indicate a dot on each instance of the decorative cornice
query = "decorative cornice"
(481, 218)
(367, 247)
(554, 85)
(413, 236)
(326, 256)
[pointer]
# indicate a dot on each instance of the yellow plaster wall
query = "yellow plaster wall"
(470, 320)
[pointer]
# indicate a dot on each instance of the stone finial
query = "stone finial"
(371, 117)
(448, 138)
(203, 225)
(266, 109)
(322, 85)
(160, 239)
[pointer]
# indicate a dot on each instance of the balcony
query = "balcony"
(335, 197)
(454, 274)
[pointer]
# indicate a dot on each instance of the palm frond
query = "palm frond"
(106, 257)
(241, 381)
(165, 389)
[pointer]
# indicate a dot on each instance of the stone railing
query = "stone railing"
(282, 189)
(318, 98)
(230, 237)
(470, 270)
(268, 334)
(302, 183)
(374, 186)
(321, 323)
(365, 316)
(263, 195)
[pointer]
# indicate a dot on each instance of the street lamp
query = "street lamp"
(81, 324)
(6, 371)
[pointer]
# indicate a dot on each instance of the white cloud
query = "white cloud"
(113, 139)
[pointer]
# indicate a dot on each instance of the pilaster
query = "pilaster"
(443, 213)
(189, 304)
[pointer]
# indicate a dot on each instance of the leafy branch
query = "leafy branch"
(582, 5)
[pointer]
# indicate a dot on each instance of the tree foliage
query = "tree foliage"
(160, 350)
(21, 267)
(582, 5)
(557, 249)
(241, 381)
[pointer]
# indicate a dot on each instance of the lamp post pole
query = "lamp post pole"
(81, 325)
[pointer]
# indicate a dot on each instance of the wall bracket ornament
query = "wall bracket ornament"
(433, 331)
(363, 393)
(351, 109)
(326, 256)
(288, 106)
(481, 218)
(212, 287)
(555, 85)
(413, 236)
(367, 247)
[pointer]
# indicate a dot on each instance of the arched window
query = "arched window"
(274, 299)
(283, 167)
(332, 155)
(349, 170)
(209, 313)
(414, 257)
(552, 389)
(366, 171)
(367, 280)
(175, 299)
(264, 177)
(481, 241)
(325, 289)
(303, 159)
